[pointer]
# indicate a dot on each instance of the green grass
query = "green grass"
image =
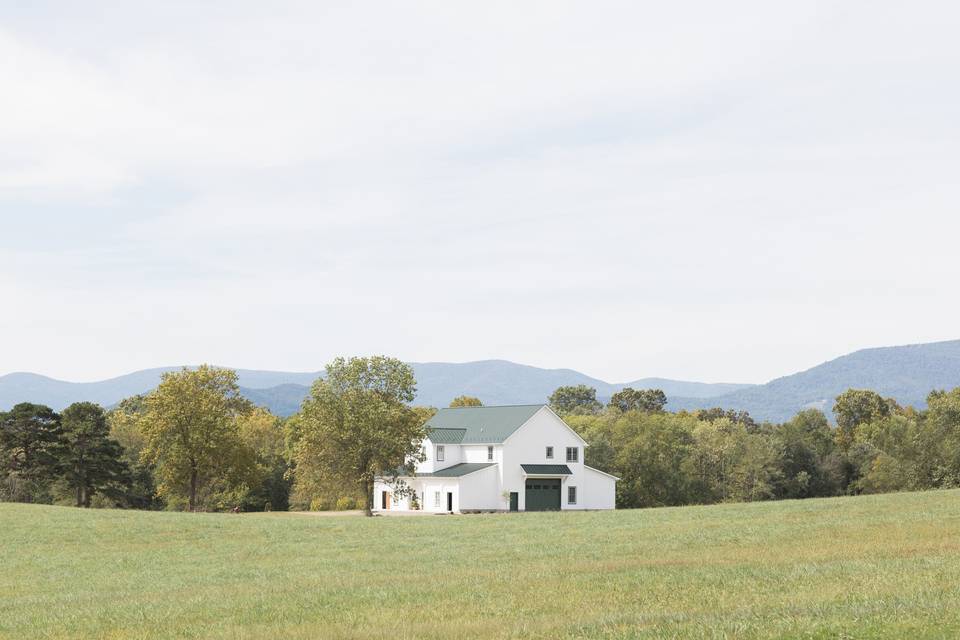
(867, 567)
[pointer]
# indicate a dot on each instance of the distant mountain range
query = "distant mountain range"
(493, 381)
(906, 373)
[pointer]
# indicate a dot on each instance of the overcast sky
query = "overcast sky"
(704, 190)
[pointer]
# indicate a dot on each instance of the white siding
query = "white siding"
(478, 453)
(528, 445)
(481, 490)
(429, 488)
(451, 455)
(599, 491)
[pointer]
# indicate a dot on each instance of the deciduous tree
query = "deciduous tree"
(465, 401)
(355, 426)
(191, 433)
(629, 399)
(854, 407)
(578, 399)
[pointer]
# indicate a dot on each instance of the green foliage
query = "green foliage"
(855, 407)
(579, 399)
(465, 401)
(628, 399)
(731, 464)
(716, 413)
(263, 434)
(124, 421)
(91, 461)
(30, 452)
(808, 463)
(190, 426)
(356, 426)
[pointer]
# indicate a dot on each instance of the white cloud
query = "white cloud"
(703, 191)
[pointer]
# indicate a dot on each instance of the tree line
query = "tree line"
(194, 443)
(717, 455)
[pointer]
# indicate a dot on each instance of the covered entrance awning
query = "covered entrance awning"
(551, 470)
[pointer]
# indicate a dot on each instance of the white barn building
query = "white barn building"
(516, 458)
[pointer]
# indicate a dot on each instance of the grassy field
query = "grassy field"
(867, 567)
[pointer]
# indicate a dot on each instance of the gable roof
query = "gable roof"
(478, 425)
(457, 470)
(446, 436)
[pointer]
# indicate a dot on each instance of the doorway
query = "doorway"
(514, 501)
(449, 501)
(384, 500)
(543, 494)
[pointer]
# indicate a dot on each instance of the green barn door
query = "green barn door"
(543, 494)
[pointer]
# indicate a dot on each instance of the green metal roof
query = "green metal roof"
(457, 470)
(480, 425)
(446, 436)
(547, 469)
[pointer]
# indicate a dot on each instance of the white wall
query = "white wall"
(451, 455)
(425, 488)
(481, 490)
(527, 445)
(478, 453)
(599, 491)
(430, 486)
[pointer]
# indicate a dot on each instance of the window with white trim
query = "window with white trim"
(573, 454)
(436, 498)
(489, 453)
(439, 453)
(571, 495)
(550, 453)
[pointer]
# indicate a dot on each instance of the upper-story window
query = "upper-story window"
(489, 453)
(550, 452)
(439, 453)
(573, 454)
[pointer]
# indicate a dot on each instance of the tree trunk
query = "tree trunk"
(193, 490)
(368, 494)
(79, 496)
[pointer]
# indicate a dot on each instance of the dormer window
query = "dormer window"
(439, 453)
(490, 454)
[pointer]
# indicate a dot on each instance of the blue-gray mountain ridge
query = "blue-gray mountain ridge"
(493, 381)
(905, 373)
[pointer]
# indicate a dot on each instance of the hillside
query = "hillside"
(759, 570)
(906, 373)
(493, 381)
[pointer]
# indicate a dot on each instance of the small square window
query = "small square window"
(573, 454)
(550, 452)
(571, 495)
(489, 453)
(439, 453)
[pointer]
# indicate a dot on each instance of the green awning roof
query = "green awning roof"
(457, 470)
(546, 469)
(478, 425)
